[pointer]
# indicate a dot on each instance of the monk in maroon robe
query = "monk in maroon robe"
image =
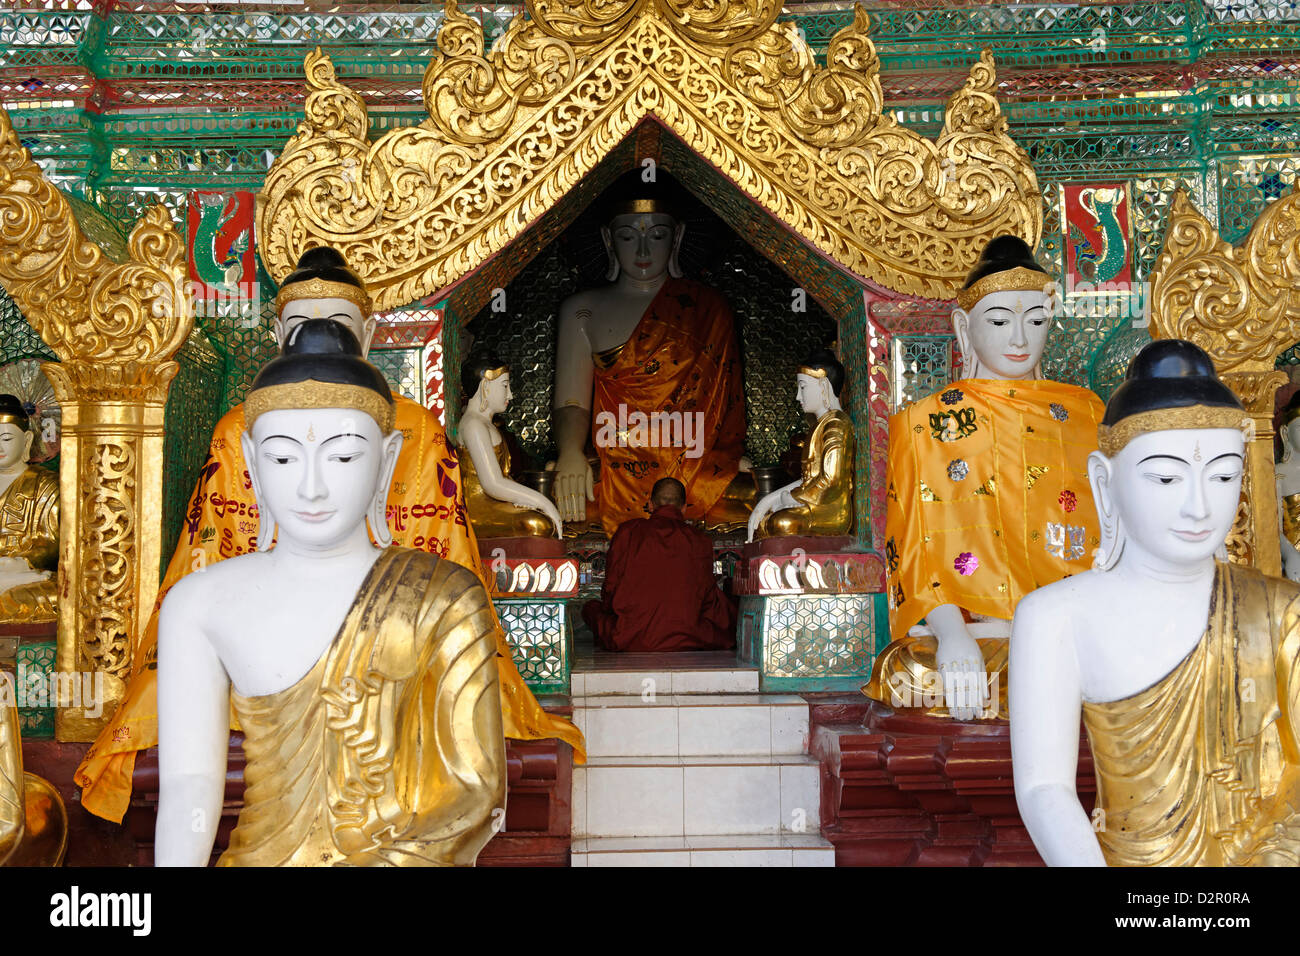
(659, 593)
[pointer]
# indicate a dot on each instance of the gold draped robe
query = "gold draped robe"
(825, 492)
(29, 529)
(492, 517)
(11, 771)
(1203, 768)
(33, 819)
(1291, 519)
(389, 752)
(681, 359)
(426, 510)
(988, 500)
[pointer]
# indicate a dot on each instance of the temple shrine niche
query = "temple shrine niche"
(838, 168)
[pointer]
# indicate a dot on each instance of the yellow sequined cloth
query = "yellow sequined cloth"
(1291, 519)
(988, 496)
(492, 517)
(1202, 768)
(29, 529)
(825, 492)
(389, 752)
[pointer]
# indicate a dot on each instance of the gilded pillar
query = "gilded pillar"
(115, 327)
(1242, 305)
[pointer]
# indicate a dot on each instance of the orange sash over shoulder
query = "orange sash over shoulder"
(426, 510)
(681, 359)
(988, 496)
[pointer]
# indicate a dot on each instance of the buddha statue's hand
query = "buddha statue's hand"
(574, 485)
(765, 504)
(16, 572)
(960, 663)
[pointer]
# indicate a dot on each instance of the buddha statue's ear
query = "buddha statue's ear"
(368, 326)
(611, 271)
(28, 438)
(970, 363)
(1112, 536)
(674, 264)
(265, 520)
(378, 516)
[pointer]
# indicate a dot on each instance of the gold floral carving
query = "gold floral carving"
(511, 130)
(115, 327)
(1242, 305)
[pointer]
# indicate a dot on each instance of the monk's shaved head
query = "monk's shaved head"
(668, 491)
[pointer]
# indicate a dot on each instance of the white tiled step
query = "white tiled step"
(693, 724)
(741, 680)
(707, 795)
(785, 849)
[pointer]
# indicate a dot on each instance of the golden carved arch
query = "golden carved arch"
(1242, 305)
(511, 131)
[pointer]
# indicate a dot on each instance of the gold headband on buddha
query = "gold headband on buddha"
(814, 372)
(634, 207)
(317, 288)
(312, 394)
(494, 373)
(1018, 279)
(20, 421)
(1111, 439)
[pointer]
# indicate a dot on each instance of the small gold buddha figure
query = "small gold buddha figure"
(498, 506)
(821, 501)
(29, 524)
(363, 674)
(33, 819)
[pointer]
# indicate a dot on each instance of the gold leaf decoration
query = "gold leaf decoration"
(513, 129)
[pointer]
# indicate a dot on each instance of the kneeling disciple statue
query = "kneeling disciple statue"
(987, 497)
(1185, 668)
(499, 507)
(29, 524)
(363, 675)
(821, 501)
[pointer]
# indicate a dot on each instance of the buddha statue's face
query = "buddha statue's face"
(1175, 492)
(340, 310)
(812, 393)
(642, 243)
(15, 447)
(496, 393)
(1007, 331)
(318, 471)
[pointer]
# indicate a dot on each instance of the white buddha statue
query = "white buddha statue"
(1288, 488)
(498, 506)
(987, 496)
(363, 674)
(1184, 668)
(29, 523)
(649, 344)
(820, 502)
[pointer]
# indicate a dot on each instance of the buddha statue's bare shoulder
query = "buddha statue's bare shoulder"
(1057, 606)
(201, 591)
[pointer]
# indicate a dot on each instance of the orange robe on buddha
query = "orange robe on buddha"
(426, 510)
(681, 359)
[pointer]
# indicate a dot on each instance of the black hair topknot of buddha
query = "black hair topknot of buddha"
(12, 405)
(1168, 373)
(323, 262)
(471, 373)
(322, 350)
(1002, 254)
(825, 360)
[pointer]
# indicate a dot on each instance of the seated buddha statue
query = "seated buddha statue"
(821, 501)
(363, 673)
(987, 497)
(1288, 488)
(29, 524)
(648, 368)
(498, 506)
(425, 510)
(1184, 668)
(33, 819)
